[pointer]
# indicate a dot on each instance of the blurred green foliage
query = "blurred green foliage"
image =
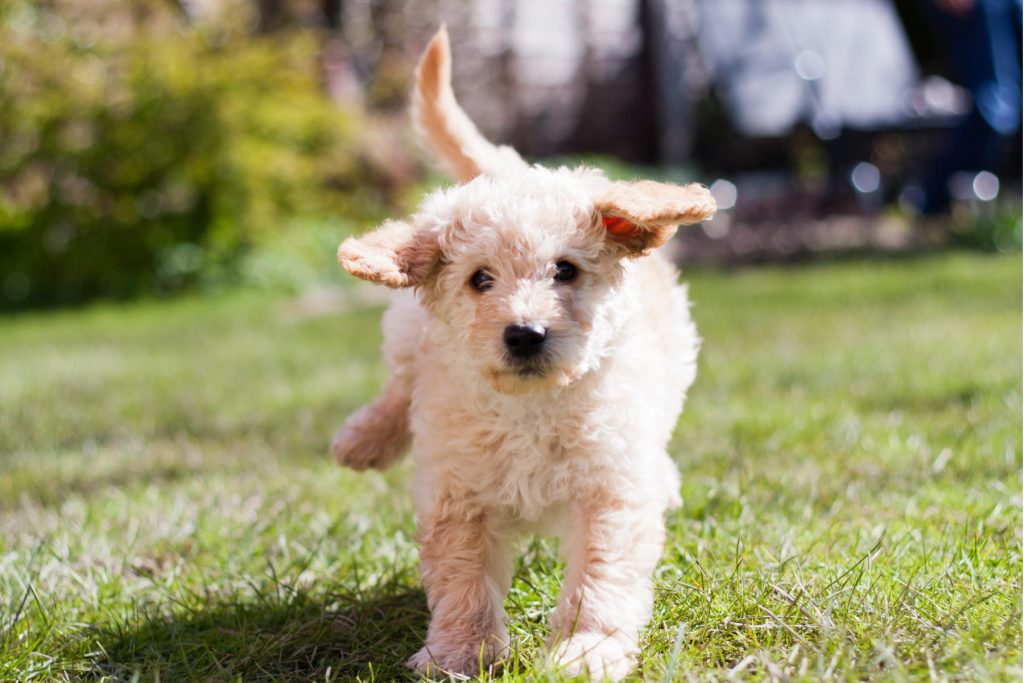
(156, 162)
(995, 227)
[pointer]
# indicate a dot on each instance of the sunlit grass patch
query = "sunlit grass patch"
(851, 458)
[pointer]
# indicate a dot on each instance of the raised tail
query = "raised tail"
(443, 127)
(377, 435)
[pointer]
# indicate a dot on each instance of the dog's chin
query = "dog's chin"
(515, 381)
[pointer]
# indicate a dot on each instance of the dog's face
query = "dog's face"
(526, 271)
(524, 278)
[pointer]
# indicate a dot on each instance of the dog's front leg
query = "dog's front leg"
(466, 569)
(611, 548)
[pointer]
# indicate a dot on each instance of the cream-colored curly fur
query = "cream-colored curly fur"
(574, 445)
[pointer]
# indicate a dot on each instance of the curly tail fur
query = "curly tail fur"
(377, 435)
(443, 127)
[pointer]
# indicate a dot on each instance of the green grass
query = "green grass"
(851, 456)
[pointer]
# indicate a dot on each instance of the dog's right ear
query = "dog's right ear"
(397, 254)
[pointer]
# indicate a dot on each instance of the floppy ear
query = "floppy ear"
(644, 215)
(396, 254)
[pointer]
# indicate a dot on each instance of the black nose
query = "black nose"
(524, 341)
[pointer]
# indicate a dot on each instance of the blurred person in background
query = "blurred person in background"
(983, 41)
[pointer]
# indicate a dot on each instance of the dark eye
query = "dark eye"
(565, 272)
(481, 281)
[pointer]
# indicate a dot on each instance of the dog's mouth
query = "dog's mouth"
(529, 368)
(542, 373)
(523, 376)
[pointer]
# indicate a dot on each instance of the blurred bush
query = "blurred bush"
(995, 227)
(158, 162)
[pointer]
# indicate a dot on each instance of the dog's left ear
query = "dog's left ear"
(643, 215)
(397, 254)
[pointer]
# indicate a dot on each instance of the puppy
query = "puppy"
(539, 354)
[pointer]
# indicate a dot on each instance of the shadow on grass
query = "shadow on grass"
(302, 637)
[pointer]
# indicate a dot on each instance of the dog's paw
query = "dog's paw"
(595, 655)
(376, 435)
(423, 662)
(350, 449)
(467, 660)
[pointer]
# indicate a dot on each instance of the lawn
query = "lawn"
(851, 458)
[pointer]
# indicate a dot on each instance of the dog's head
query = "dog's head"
(526, 268)
(524, 265)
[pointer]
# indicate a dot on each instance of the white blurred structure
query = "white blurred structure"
(620, 76)
(834, 64)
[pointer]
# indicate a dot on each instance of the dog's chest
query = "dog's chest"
(525, 457)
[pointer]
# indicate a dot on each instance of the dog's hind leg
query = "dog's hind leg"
(378, 434)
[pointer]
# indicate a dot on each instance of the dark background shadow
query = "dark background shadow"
(295, 636)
